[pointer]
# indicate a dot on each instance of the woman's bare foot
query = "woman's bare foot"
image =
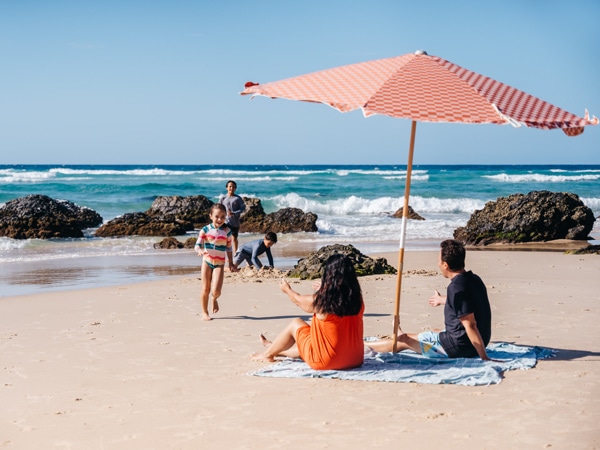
(264, 341)
(215, 304)
(262, 357)
(205, 316)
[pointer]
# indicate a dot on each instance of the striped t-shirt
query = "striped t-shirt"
(215, 242)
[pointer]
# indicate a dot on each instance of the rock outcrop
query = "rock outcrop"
(168, 216)
(171, 243)
(538, 216)
(253, 214)
(140, 224)
(192, 210)
(41, 217)
(411, 214)
(174, 216)
(286, 220)
(589, 250)
(313, 265)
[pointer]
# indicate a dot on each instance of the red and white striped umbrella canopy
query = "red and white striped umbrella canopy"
(422, 88)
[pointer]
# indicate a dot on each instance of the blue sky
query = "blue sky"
(149, 82)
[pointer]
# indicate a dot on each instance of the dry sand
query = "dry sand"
(134, 366)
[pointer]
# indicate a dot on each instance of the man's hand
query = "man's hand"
(437, 299)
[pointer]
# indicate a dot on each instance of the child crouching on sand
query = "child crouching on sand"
(214, 242)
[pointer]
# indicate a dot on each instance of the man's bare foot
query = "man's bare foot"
(262, 357)
(215, 304)
(264, 341)
(205, 316)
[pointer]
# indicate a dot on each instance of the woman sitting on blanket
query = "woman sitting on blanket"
(334, 340)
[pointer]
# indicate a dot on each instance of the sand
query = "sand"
(134, 366)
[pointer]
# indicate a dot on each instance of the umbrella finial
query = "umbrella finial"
(420, 52)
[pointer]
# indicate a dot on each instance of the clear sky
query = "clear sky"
(158, 82)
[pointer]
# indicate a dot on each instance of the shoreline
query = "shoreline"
(134, 366)
(45, 276)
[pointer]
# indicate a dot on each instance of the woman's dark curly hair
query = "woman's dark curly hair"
(340, 292)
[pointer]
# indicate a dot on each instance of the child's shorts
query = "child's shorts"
(431, 347)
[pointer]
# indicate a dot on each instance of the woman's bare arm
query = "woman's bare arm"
(305, 302)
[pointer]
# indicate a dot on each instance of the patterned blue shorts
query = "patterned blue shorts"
(430, 345)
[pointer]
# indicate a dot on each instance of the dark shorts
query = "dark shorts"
(242, 256)
(234, 230)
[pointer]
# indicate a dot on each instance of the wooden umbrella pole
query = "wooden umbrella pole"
(413, 132)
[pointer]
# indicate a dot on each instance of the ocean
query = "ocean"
(353, 204)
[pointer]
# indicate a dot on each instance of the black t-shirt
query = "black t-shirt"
(466, 294)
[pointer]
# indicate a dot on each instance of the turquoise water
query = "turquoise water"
(352, 203)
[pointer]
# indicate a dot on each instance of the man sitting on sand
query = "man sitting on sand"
(467, 314)
(250, 251)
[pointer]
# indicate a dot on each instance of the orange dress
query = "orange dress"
(334, 343)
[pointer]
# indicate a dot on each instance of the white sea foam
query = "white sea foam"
(13, 176)
(541, 178)
(15, 250)
(575, 171)
(413, 177)
(353, 205)
(262, 179)
(134, 172)
(592, 203)
(369, 229)
(7, 244)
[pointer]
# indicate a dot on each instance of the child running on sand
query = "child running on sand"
(214, 241)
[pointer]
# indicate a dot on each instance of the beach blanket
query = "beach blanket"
(408, 366)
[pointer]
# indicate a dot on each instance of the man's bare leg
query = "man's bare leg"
(405, 342)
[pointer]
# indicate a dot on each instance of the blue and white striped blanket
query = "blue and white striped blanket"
(407, 366)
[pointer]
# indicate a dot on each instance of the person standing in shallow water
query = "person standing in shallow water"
(334, 339)
(235, 206)
(213, 244)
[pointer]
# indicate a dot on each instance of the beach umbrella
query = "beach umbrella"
(426, 88)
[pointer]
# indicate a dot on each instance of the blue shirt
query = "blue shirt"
(256, 248)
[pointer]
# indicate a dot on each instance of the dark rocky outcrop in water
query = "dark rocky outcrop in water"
(538, 216)
(41, 217)
(286, 220)
(411, 214)
(170, 243)
(168, 216)
(140, 224)
(313, 265)
(174, 216)
(193, 210)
